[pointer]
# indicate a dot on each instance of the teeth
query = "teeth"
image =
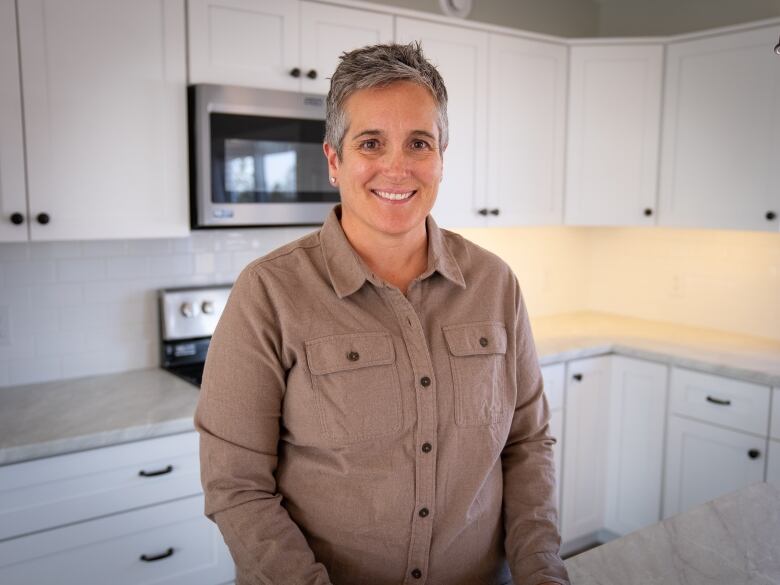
(394, 196)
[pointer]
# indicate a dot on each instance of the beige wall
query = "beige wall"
(724, 280)
(619, 18)
(567, 18)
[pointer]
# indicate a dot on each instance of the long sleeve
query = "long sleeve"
(532, 541)
(238, 418)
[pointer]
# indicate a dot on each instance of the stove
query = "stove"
(188, 317)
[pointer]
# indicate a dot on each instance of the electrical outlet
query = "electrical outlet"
(5, 325)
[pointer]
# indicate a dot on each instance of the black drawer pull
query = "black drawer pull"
(577, 377)
(718, 401)
(754, 453)
(161, 556)
(144, 473)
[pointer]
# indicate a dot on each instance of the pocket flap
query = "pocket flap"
(350, 351)
(476, 338)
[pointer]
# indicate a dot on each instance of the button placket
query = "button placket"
(425, 465)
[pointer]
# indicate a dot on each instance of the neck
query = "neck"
(395, 258)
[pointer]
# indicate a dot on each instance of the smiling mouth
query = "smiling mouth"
(392, 196)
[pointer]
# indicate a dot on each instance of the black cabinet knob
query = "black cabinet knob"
(577, 377)
(754, 453)
(17, 218)
(312, 74)
(648, 212)
(482, 211)
(43, 218)
(770, 215)
(295, 72)
(494, 212)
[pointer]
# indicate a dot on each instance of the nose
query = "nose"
(396, 163)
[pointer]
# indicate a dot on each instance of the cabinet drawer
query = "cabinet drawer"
(45, 493)
(109, 550)
(739, 405)
(554, 377)
(775, 427)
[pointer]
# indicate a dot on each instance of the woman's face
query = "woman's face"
(391, 167)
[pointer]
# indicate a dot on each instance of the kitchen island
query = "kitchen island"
(734, 539)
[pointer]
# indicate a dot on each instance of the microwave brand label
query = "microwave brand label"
(223, 213)
(317, 102)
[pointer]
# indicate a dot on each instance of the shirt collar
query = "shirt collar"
(348, 272)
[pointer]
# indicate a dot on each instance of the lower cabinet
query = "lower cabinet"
(554, 377)
(171, 544)
(584, 455)
(773, 464)
(635, 446)
(704, 461)
(124, 514)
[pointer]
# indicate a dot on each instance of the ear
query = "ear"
(333, 159)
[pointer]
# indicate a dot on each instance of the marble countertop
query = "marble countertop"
(40, 420)
(732, 539)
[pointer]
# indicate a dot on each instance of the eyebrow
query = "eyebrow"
(379, 133)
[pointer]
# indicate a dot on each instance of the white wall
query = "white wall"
(618, 18)
(567, 18)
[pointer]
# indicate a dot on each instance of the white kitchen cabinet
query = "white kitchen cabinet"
(105, 118)
(554, 377)
(704, 461)
(585, 453)
(635, 444)
(526, 132)
(773, 463)
(613, 134)
(88, 517)
(461, 56)
(721, 132)
(168, 544)
(288, 45)
(13, 190)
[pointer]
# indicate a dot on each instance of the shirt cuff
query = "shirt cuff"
(540, 568)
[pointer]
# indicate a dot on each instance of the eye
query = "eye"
(370, 144)
(418, 144)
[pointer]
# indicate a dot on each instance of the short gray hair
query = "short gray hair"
(380, 66)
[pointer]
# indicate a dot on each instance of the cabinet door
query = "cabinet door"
(554, 386)
(637, 417)
(13, 195)
(721, 136)
(704, 461)
(105, 117)
(461, 57)
(774, 428)
(526, 131)
(189, 550)
(556, 428)
(773, 463)
(254, 43)
(614, 127)
(585, 451)
(328, 31)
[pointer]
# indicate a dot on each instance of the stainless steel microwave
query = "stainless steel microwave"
(256, 158)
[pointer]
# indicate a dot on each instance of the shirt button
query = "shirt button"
(426, 448)
(353, 356)
(416, 573)
(483, 341)
(425, 381)
(423, 512)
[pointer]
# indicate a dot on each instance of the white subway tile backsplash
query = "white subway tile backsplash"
(104, 248)
(55, 250)
(149, 247)
(81, 269)
(165, 266)
(62, 344)
(29, 272)
(57, 295)
(32, 370)
(130, 267)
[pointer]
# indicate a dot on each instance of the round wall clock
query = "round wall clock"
(459, 8)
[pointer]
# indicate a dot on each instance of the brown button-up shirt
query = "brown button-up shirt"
(354, 435)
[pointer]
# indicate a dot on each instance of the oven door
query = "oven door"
(258, 158)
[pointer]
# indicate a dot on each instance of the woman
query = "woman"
(372, 409)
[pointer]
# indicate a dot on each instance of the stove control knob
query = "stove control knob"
(207, 307)
(188, 310)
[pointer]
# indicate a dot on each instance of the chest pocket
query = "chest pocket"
(478, 362)
(356, 385)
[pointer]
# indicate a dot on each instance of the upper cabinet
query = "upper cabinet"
(461, 56)
(104, 117)
(526, 132)
(288, 45)
(613, 135)
(721, 136)
(13, 198)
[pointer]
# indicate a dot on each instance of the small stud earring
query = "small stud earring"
(333, 180)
